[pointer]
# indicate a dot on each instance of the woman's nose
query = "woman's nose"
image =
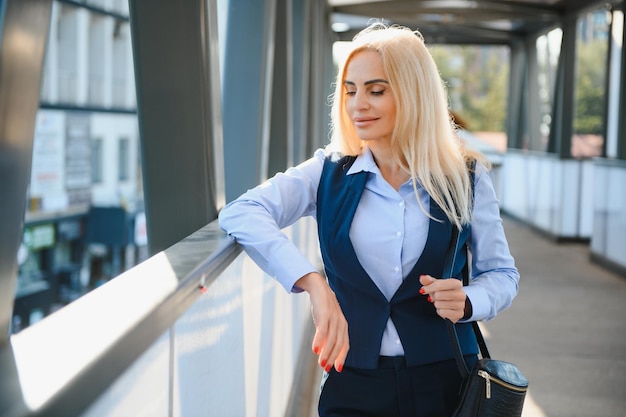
(361, 100)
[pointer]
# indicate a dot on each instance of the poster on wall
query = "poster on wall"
(78, 158)
(47, 191)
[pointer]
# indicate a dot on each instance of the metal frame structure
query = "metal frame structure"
(23, 33)
(179, 115)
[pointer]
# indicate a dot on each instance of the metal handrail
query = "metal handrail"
(61, 365)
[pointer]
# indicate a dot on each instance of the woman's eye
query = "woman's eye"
(372, 92)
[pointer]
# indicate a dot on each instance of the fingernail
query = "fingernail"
(430, 300)
(316, 349)
(422, 291)
(323, 363)
(328, 368)
(340, 368)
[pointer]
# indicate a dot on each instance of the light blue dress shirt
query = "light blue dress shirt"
(388, 232)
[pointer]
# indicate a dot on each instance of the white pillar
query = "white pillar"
(82, 56)
(107, 58)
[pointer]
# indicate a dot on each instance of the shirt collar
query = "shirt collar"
(364, 162)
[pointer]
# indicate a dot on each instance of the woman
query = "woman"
(386, 192)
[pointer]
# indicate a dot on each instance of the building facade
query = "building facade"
(85, 193)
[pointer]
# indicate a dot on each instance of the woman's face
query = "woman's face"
(369, 101)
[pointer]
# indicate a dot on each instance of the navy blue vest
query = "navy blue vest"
(422, 331)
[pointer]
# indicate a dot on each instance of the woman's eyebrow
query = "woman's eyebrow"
(374, 81)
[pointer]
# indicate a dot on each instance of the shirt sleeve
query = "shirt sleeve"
(256, 218)
(494, 277)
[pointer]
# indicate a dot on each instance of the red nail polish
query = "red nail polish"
(340, 368)
(430, 300)
(316, 349)
(323, 363)
(422, 291)
(328, 368)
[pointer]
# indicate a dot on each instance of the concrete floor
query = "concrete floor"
(566, 329)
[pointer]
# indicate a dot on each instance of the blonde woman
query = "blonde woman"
(386, 192)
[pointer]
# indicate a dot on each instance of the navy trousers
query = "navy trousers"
(392, 390)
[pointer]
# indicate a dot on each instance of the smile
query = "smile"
(363, 121)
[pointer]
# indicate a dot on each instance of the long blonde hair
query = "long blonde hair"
(424, 139)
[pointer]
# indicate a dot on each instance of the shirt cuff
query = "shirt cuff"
(289, 265)
(480, 302)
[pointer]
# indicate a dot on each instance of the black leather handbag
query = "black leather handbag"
(492, 388)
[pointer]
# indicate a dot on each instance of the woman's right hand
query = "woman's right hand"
(331, 342)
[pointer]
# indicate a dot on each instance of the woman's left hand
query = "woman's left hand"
(447, 296)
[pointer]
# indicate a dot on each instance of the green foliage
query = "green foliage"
(477, 80)
(590, 87)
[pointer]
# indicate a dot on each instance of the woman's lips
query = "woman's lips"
(364, 121)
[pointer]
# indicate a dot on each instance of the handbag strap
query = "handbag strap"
(454, 338)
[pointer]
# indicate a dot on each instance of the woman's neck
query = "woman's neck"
(389, 168)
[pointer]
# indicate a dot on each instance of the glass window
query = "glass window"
(78, 166)
(67, 50)
(590, 87)
(97, 43)
(96, 161)
(119, 63)
(123, 159)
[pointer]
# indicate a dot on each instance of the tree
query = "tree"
(590, 87)
(476, 77)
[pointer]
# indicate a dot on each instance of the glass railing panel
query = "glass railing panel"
(236, 350)
(609, 215)
(549, 193)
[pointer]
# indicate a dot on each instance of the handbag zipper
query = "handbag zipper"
(488, 378)
(485, 375)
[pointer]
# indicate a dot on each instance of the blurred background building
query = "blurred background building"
(84, 222)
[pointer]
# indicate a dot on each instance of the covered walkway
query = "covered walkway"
(197, 329)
